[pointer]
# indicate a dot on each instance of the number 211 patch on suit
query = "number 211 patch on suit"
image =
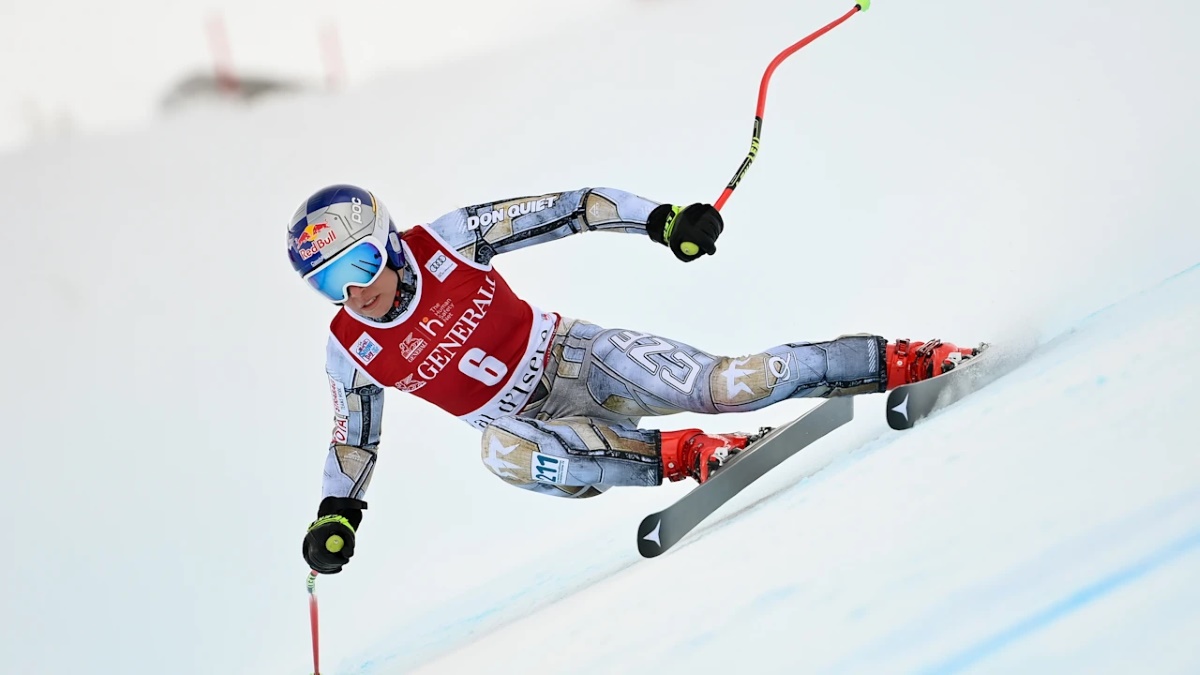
(548, 469)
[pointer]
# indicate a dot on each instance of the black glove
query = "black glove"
(690, 231)
(329, 542)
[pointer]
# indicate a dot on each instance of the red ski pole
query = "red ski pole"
(862, 6)
(312, 615)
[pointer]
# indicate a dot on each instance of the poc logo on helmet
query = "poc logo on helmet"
(356, 210)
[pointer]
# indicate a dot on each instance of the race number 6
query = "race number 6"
(477, 365)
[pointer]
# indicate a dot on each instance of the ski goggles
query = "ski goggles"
(359, 265)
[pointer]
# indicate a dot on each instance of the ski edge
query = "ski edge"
(658, 532)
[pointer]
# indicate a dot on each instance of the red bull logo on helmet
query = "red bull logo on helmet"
(313, 238)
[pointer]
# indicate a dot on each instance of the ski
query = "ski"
(660, 531)
(910, 403)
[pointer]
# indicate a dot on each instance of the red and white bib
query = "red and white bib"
(466, 344)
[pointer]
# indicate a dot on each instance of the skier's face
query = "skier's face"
(375, 300)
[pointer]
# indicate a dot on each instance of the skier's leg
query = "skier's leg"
(599, 382)
(623, 374)
(617, 376)
(571, 457)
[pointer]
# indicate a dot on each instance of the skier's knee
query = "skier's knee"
(520, 461)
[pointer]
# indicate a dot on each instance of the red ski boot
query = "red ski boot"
(909, 362)
(693, 453)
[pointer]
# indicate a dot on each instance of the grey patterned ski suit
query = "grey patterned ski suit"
(577, 433)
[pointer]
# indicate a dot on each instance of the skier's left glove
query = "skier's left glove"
(329, 542)
(690, 231)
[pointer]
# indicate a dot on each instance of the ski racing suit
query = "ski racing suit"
(557, 399)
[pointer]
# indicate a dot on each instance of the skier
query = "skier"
(557, 399)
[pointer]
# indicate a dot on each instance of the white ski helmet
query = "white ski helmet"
(342, 236)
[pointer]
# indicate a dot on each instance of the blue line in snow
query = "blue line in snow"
(1077, 600)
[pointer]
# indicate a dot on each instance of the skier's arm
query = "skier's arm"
(357, 415)
(357, 403)
(479, 232)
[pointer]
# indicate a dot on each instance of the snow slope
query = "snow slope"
(1050, 523)
(167, 409)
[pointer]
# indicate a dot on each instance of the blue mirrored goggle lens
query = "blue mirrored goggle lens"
(358, 266)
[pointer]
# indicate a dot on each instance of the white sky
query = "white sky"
(965, 171)
(100, 66)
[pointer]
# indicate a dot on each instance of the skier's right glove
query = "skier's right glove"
(329, 542)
